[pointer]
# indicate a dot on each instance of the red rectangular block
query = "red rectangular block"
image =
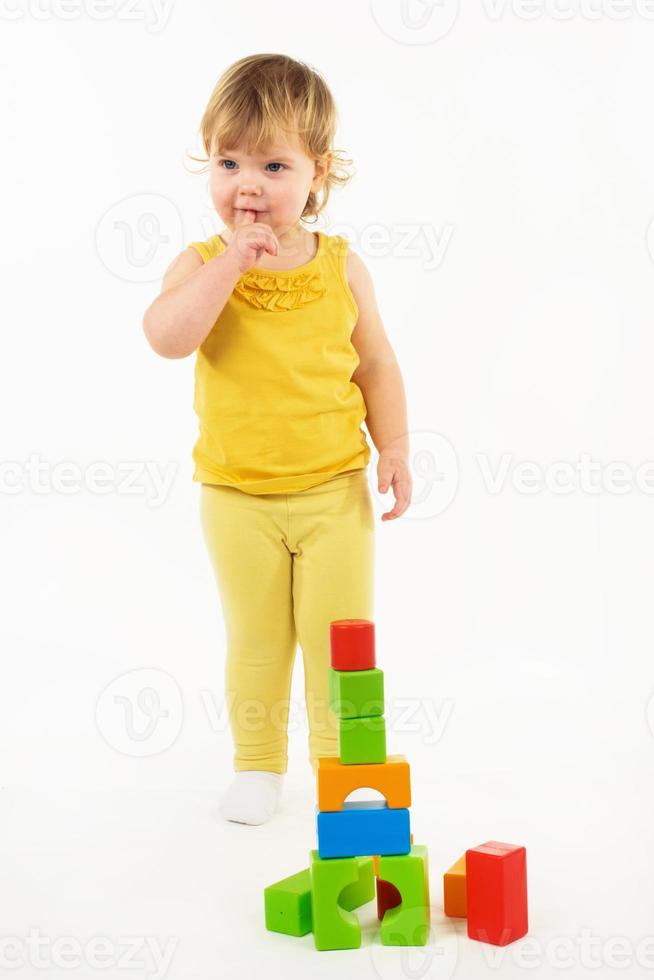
(496, 892)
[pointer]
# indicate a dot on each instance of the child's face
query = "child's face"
(275, 184)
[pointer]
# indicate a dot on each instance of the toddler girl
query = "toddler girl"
(291, 357)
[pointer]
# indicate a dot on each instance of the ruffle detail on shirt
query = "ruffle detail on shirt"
(279, 293)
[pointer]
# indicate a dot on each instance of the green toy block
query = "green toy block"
(337, 886)
(362, 740)
(288, 902)
(356, 693)
(407, 924)
(363, 890)
(288, 905)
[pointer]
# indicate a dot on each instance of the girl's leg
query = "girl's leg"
(333, 578)
(244, 534)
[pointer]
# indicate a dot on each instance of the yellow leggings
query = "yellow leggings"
(286, 564)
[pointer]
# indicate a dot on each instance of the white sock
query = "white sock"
(252, 796)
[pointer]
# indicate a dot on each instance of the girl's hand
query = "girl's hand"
(393, 470)
(250, 240)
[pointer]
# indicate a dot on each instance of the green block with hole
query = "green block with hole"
(287, 903)
(361, 891)
(362, 740)
(339, 885)
(356, 693)
(407, 924)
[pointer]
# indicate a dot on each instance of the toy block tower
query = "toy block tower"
(366, 848)
(350, 830)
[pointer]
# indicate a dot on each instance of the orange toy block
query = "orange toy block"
(336, 781)
(454, 889)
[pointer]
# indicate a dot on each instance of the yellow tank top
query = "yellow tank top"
(277, 409)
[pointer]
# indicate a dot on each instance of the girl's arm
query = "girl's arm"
(193, 294)
(378, 373)
(379, 377)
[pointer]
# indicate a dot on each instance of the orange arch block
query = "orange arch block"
(336, 781)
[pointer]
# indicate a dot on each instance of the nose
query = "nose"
(248, 189)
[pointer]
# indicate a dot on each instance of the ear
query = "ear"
(322, 169)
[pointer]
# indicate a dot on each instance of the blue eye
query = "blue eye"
(277, 165)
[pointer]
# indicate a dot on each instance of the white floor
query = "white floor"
(140, 877)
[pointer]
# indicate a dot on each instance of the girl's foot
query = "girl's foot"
(252, 797)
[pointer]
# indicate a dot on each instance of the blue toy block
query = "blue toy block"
(363, 827)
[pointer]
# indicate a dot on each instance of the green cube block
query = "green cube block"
(407, 924)
(356, 693)
(337, 886)
(362, 740)
(288, 902)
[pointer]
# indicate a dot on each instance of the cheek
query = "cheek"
(288, 195)
(219, 182)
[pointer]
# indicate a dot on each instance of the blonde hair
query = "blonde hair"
(263, 95)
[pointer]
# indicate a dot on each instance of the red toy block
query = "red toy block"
(352, 643)
(388, 897)
(496, 892)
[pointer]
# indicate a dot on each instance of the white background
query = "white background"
(516, 625)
